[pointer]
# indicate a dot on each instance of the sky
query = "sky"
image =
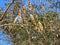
(2, 5)
(3, 39)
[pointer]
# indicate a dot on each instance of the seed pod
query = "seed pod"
(14, 20)
(40, 26)
(10, 27)
(24, 9)
(19, 18)
(30, 6)
(32, 19)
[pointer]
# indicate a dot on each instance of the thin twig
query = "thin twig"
(4, 20)
(9, 25)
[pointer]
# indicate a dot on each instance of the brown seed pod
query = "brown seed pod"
(19, 17)
(14, 21)
(24, 9)
(32, 19)
(10, 27)
(40, 26)
(29, 5)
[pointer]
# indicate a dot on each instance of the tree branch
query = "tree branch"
(5, 13)
(10, 25)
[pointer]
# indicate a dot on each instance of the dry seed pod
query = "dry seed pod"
(21, 24)
(10, 27)
(30, 6)
(36, 27)
(14, 20)
(51, 21)
(32, 19)
(24, 9)
(40, 26)
(19, 12)
(19, 18)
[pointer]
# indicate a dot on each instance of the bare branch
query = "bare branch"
(10, 24)
(4, 20)
(5, 13)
